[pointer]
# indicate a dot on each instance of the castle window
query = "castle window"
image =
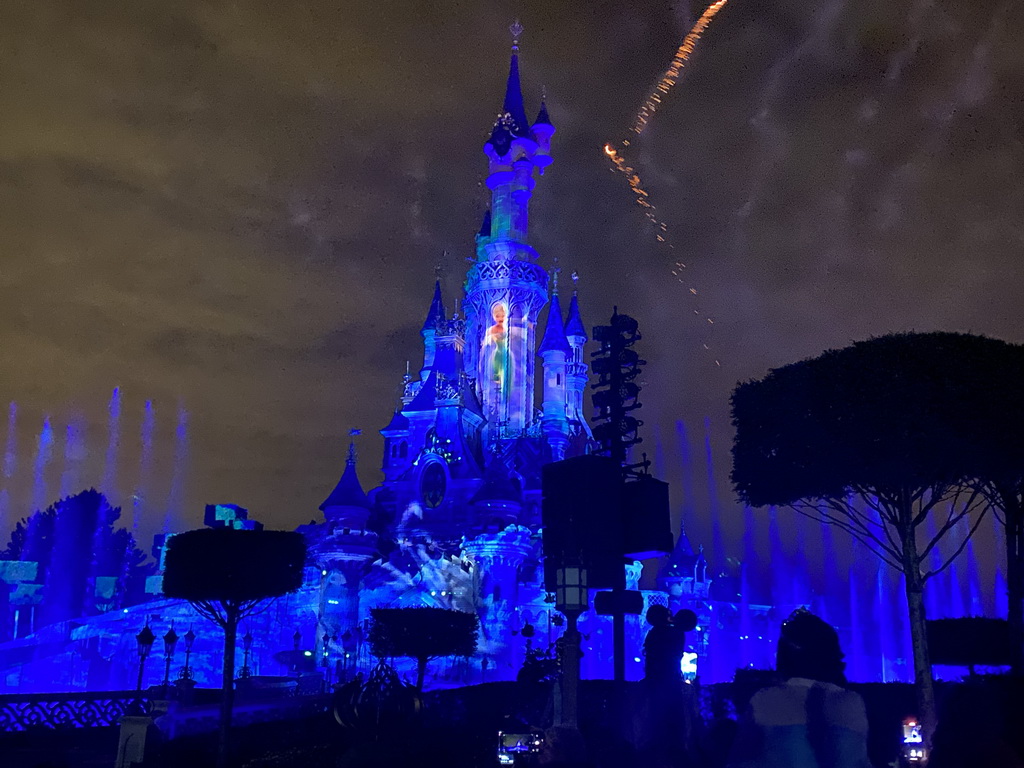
(558, 379)
(403, 450)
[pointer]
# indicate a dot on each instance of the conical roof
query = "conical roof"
(424, 400)
(485, 226)
(542, 116)
(513, 104)
(574, 323)
(554, 332)
(512, 121)
(436, 311)
(349, 491)
(398, 423)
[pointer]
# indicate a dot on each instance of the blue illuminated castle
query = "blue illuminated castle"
(456, 521)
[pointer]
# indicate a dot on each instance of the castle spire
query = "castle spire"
(512, 120)
(436, 311)
(554, 332)
(435, 315)
(574, 323)
(348, 494)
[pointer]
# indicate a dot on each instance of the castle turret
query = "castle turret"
(554, 350)
(543, 130)
(345, 552)
(576, 372)
(429, 330)
(347, 505)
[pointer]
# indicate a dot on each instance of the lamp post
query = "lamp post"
(186, 671)
(170, 643)
(144, 644)
(571, 599)
(245, 672)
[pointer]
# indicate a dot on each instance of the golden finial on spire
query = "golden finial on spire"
(554, 277)
(575, 280)
(516, 29)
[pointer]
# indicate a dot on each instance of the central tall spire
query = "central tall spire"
(506, 288)
(513, 105)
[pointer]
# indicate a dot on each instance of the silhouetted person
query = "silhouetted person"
(663, 647)
(971, 732)
(810, 720)
(664, 722)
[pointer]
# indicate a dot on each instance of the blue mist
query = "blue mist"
(175, 496)
(113, 442)
(44, 454)
(11, 450)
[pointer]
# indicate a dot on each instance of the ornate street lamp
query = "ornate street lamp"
(326, 639)
(245, 672)
(190, 638)
(571, 594)
(144, 644)
(170, 643)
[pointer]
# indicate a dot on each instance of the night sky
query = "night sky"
(238, 208)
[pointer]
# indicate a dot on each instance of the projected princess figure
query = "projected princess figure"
(498, 362)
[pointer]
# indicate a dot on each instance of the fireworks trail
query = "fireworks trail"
(671, 76)
(643, 117)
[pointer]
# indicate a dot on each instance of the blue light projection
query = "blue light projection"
(74, 454)
(44, 454)
(11, 449)
(176, 494)
(141, 495)
(113, 439)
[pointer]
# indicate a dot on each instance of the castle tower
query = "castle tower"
(346, 550)
(506, 288)
(555, 351)
(576, 364)
(429, 331)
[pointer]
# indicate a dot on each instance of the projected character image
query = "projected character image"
(498, 361)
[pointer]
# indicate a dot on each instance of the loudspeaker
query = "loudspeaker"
(646, 508)
(582, 514)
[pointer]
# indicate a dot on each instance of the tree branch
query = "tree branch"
(210, 610)
(960, 549)
(849, 520)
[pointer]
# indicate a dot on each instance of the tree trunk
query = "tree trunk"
(227, 685)
(923, 679)
(1014, 511)
(421, 672)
